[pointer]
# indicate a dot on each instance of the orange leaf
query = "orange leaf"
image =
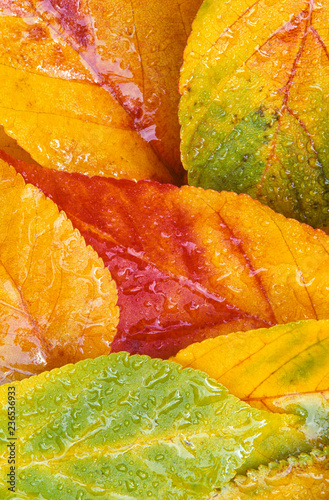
(189, 263)
(11, 147)
(95, 84)
(56, 298)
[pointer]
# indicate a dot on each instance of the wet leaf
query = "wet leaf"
(56, 298)
(133, 427)
(189, 263)
(254, 103)
(93, 86)
(304, 478)
(272, 368)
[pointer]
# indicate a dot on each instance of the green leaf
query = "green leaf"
(131, 427)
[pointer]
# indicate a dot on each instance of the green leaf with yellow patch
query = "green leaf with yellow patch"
(133, 427)
(254, 108)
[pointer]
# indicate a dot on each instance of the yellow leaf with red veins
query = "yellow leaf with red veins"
(57, 301)
(270, 368)
(93, 86)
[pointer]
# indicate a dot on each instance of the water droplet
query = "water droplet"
(106, 471)
(131, 485)
(122, 468)
(142, 474)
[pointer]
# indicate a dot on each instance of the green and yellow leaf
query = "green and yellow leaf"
(272, 368)
(254, 108)
(134, 427)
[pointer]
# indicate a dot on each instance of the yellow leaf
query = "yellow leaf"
(57, 301)
(93, 87)
(269, 368)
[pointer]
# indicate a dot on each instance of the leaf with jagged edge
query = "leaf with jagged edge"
(57, 301)
(272, 368)
(133, 427)
(254, 107)
(191, 263)
(305, 477)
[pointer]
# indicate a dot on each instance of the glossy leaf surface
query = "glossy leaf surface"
(95, 84)
(57, 302)
(133, 427)
(269, 368)
(189, 263)
(302, 478)
(254, 105)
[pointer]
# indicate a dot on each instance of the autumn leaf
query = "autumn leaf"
(57, 302)
(11, 147)
(93, 86)
(191, 264)
(272, 368)
(133, 427)
(254, 108)
(304, 478)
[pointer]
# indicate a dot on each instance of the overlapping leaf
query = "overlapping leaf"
(131, 427)
(304, 478)
(11, 147)
(57, 302)
(189, 263)
(254, 110)
(271, 368)
(93, 86)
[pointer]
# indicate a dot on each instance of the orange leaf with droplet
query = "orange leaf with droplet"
(93, 86)
(189, 263)
(57, 302)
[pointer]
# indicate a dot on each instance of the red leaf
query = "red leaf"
(189, 263)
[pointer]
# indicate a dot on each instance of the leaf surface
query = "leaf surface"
(255, 103)
(95, 84)
(189, 263)
(133, 427)
(304, 478)
(56, 298)
(270, 368)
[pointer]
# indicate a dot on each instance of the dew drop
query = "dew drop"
(142, 474)
(131, 485)
(122, 468)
